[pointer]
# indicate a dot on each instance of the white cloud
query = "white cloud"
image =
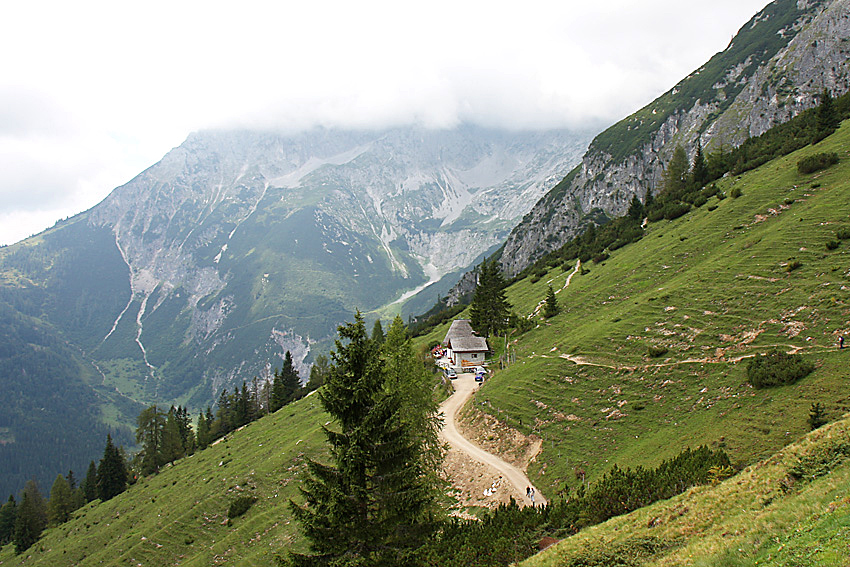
(92, 92)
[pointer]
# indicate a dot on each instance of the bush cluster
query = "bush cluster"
(509, 533)
(777, 368)
(817, 162)
(240, 505)
(820, 461)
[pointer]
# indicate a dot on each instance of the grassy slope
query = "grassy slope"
(759, 517)
(722, 272)
(177, 516)
(710, 287)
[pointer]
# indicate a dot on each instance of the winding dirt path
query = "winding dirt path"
(464, 387)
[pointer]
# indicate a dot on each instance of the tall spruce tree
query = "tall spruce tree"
(827, 117)
(150, 428)
(490, 309)
(8, 514)
(61, 502)
(111, 472)
(286, 385)
(203, 431)
(89, 486)
(318, 372)
(31, 518)
(699, 170)
(172, 442)
(675, 177)
(551, 307)
(373, 505)
(378, 331)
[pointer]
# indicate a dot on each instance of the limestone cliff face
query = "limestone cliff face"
(774, 68)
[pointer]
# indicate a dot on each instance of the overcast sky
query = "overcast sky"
(92, 93)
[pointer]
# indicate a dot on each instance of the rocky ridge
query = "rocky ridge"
(775, 68)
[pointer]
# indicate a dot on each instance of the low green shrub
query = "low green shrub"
(843, 234)
(820, 461)
(833, 244)
(817, 162)
(735, 193)
(675, 210)
(777, 368)
(239, 506)
(655, 351)
(793, 265)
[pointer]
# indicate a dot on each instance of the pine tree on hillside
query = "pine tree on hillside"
(827, 117)
(61, 502)
(699, 170)
(490, 309)
(286, 384)
(111, 472)
(203, 431)
(149, 433)
(675, 177)
(378, 332)
(8, 514)
(551, 307)
(636, 210)
(187, 434)
(172, 442)
(371, 506)
(817, 416)
(406, 376)
(318, 373)
(89, 486)
(31, 518)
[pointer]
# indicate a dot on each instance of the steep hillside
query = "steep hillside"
(180, 515)
(649, 352)
(774, 68)
(791, 509)
(238, 246)
(711, 287)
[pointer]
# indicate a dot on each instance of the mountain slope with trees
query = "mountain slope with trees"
(777, 66)
(236, 248)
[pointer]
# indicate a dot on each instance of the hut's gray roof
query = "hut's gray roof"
(469, 344)
(460, 328)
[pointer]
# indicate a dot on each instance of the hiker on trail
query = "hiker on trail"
(531, 495)
(528, 492)
(840, 341)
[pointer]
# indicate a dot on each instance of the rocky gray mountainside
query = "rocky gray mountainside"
(774, 68)
(238, 246)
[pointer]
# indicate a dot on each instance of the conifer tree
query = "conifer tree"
(827, 116)
(636, 209)
(286, 385)
(371, 506)
(31, 518)
(318, 372)
(817, 416)
(89, 486)
(149, 433)
(61, 502)
(172, 442)
(551, 307)
(699, 170)
(111, 472)
(490, 309)
(378, 331)
(187, 435)
(676, 175)
(203, 431)
(407, 379)
(8, 514)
